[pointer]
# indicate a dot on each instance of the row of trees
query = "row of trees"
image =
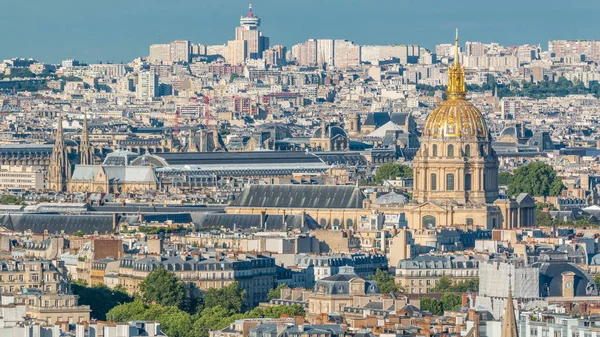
(540, 90)
(451, 300)
(392, 171)
(164, 298)
(445, 285)
(178, 323)
(448, 302)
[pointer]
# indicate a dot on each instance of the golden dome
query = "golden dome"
(456, 117)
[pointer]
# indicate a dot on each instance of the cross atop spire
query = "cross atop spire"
(456, 76)
(456, 50)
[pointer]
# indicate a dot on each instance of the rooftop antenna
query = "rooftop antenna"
(250, 14)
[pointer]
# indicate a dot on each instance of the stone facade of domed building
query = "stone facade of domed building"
(456, 172)
(456, 168)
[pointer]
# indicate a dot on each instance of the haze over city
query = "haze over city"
(326, 168)
(116, 30)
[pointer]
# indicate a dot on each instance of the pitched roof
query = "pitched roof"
(247, 221)
(300, 196)
(55, 223)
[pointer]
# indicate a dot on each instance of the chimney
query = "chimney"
(464, 299)
(263, 220)
(115, 220)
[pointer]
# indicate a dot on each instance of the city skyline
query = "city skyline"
(47, 39)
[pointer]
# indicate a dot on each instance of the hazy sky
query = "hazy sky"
(120, 30)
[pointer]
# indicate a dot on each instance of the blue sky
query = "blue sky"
(120, 30)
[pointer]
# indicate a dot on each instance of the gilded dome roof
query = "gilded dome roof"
(456, 117)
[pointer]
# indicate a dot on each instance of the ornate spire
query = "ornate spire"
(85, 151)
(59, 163)
(456, 76)
(509, 323)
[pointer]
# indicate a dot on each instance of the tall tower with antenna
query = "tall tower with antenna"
(248, 31)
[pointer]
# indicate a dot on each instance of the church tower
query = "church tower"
(86, 152)
(59, 163)
(456, 162)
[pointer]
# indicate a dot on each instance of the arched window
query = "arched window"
(429, 221)
(450, 182)
(469, 222)
(467, 150)
(433, 182)
(434, 150)
(450, 150)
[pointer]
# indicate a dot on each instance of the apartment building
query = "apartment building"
(33, 274)
(21, 178)
(255, 273)
(419, 274)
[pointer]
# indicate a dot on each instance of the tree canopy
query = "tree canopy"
(230, 297)
(386, 282)
(446, 285)
(8, 199)
(391, 171)
(543, 89)
(276, 292)
(505, 178)
(177, 323)
(162, 287)
(100, 298)
(432, 305)
(537, 179)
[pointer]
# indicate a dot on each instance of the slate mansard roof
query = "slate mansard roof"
(300, 196)
(57, 223)
(247, 221)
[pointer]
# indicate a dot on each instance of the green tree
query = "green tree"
(276, 292)
(100, 298)
(21, 73)
(537, 179)
(444, 285)
(162, 287)
(175, 322)
(451, 301)
(391, 171)
(8, 199)
(432, 305)
(278, 310)
(543, 218)
(214, 318)
(231, 297)
(386, 282)
(127, 312)
(505, 178)
(471, 285)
